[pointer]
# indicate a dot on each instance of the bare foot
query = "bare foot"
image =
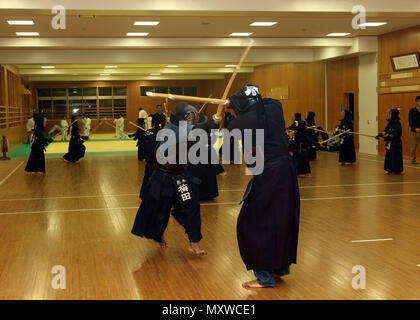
(252, 284)
(387, 173)
(308, 176)
(196, 249)
(163, 243)
(224, 174)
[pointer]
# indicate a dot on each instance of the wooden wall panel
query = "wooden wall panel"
(14, 106)
(399, 42)
(305, 81)
(342, 78)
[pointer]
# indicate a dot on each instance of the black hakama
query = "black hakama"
(301, 147)
(312, 134)
(76, 149)
(36, 161)
(347, 150)
(268, 223)
(394, 154)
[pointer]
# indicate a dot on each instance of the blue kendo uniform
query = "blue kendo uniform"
(171, 186)
(268, 223)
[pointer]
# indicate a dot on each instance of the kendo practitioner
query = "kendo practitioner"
(296, 118)
(207, 173)
(36, 161)
(268, 223)
(76, 147)
(159, 118)
(301, 148)
(139, 137)
(347, 150)
(392, 137)
(148, 145)
(172, 186)
(312, 134)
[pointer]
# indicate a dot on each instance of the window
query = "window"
(44, 93)
(187, 91)
(96, 102)
(59, 92)
(105, 109)
(176, 90)
(45, 108)
(60, 109)
(75, 92)
(190, 91)
(89, 107)
(105, 91)
(120, 91)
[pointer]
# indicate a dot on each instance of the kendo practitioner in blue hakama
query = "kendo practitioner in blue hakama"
(148, 151)
(268, 223)
(172, 186)
(392, 136)
(312, 134)
(36, 161)
(347, 150)
(302, 145)
(139, 137)
(76, 147)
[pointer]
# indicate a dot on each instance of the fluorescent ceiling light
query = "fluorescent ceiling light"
(155, 74)
(20, 22)
(372, 24)
(137, 34)
(338, 34)
(263, 24)
(171, 66)
(111, 67)
(27, 34)
(146, 23)
(230, 66)
(240, 34)
(47, 67)
(104, 74)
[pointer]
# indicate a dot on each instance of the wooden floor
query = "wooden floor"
(80, 216)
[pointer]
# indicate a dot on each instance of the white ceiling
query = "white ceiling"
(195, 35)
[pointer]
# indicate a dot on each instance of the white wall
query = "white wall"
(368, 103)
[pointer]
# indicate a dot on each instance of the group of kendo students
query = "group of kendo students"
(38, 141)
(303, 138)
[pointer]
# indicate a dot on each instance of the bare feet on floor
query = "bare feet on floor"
(252, 284)
(196, 249)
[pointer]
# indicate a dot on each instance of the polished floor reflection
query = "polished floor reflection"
(80, 216)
